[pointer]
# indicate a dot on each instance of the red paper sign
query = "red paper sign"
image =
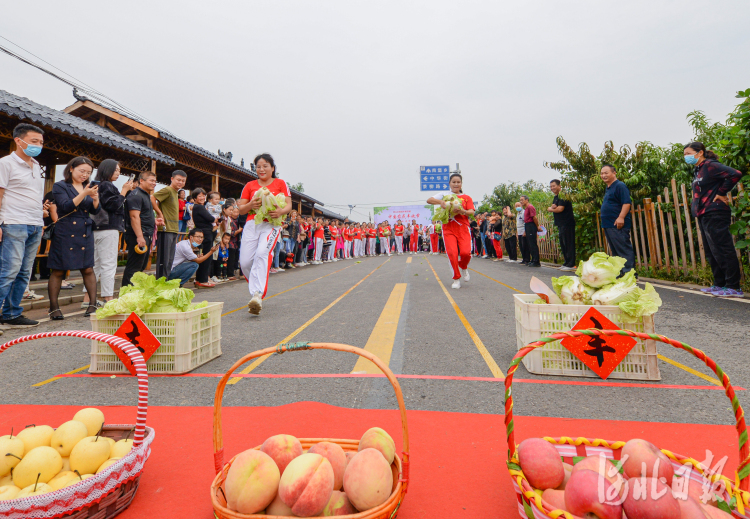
(136, 331)
(601, 353)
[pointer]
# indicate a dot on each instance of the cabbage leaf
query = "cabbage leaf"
(572, 291)
(148, 294)
(624, 289)
(647, 303)
(600, 269)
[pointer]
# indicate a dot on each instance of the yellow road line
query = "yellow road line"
(494, 368)
(689, 370)
(383, 334)
(408, 260)
(58, 378)
(296, 332)
(496, 281)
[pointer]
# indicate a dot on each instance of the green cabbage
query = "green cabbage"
(572, 291)
(270, 202)
(150, 295)
(624, 289)
(444, 215)
(600, 269)
(647, 303)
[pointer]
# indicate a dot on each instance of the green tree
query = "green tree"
(510, 193)
(297, 187)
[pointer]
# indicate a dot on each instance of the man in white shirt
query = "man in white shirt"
(186, 261)
(21, 221)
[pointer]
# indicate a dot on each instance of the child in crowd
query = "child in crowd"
(223, 256)
(213, 206)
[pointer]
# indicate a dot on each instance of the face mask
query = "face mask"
(196, 245)
(31, 151)
(691, 159)
(519, 209)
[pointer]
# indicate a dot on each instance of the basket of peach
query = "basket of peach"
(575, 478)
(287, 476)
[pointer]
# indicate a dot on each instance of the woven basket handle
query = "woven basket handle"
(115, 342)
(744, 468)
(218, 436)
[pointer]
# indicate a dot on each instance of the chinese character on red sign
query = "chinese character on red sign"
(136, 331)
(601, 353)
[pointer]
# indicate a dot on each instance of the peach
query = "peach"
(377, 438)
(640, 452)
(541, 463)
(349, 456)
(307, 484)
(568, 469)
(690, 509)
(251, 482)
(649, 498)
(283, 448)
(715, 513)
(368, 480)
(555, 499)
(590, 495)
(334, 454)
(694, 490)
(602, 466)
(277, 507)
(339, 504)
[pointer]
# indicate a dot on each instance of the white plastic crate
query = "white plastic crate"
(188, 339)
(536, 321)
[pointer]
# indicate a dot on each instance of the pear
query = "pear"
(110, 440)
(35, 436)
(62, 479)
(11, 452)
(35, 490)
(89, 454)
(7, 480)
(8, 492)
(66, 464)
(44, 461)
(107, 464)
(93, 418)
(121, 449)
(67, 435)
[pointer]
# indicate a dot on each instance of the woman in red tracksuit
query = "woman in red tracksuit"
(457, 233)
(414, 243)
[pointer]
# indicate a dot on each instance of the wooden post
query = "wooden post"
(299, 207)
(671, 230)
(643, 240)
(49, 181)
(633, 217)
(663, 233)
(215, 181)
(598, 233)
(700, 243)
(686, 207)
(653, 244)
(679, 225)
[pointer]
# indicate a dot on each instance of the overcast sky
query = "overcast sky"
(351, 97)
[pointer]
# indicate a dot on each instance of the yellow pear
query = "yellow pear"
(92, 417)
(11, 452)
(35, 436)
(67, 435)
(110, 440)
(62, 479)
(7, 480)
(121, 449)
(8, 492)
(89, 454)
(66, 464)
(87, 476)
(106, 464)
(41, 460)
(35, 490)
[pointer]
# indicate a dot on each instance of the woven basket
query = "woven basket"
(110, 492)
(399, 467)
(531, 505)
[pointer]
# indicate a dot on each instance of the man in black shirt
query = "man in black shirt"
(562, 211)
(139, 225)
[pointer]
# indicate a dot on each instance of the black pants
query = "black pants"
(136, 262)
(720, 251)
(205, 268)
(233, 261)
(524, 246)
(620, 245)
(531, 232)
(567, 234)
(510, 246)
(165, 247)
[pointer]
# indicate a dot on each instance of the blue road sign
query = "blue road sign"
(434, 178)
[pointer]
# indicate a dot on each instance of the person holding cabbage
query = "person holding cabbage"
(453, 214)
(269, 199)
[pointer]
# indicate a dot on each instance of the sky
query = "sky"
(352, 97)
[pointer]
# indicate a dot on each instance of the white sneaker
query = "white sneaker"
(456, 284)
(280, 270)
(465, 273)
(255, 304)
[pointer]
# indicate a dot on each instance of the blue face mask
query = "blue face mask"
(31, 151)
(691, 159)
(196, 245)
(519, 209)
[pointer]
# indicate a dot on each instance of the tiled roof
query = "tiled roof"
(329, 214)
(28, 110)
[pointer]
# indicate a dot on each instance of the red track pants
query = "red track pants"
(414, 241)
(498, 248)
(457, 239)
(435, 243)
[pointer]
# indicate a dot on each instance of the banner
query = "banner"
(406, 213)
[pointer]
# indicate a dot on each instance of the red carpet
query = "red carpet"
(457, 459)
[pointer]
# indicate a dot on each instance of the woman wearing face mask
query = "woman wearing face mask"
(259, 240)
(457, 233)
(711, 184)
(73, 237)
(521, 232)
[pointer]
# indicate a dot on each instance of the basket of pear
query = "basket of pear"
(84, 468)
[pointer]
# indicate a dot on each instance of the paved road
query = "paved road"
(343, 302)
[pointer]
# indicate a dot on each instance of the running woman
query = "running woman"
(457, 233)
(413, 246)
(398, 231)
(259, 240)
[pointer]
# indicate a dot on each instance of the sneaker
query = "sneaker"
(214, 280)
(729, 292)
(18, 322)
(255, 304)
(204, 285)
(465, 274)
(272, 270)
(534, 265)
(279, 270)
(485, 256)
(523, 262)
(497, 259)
(711, 290)
(456, 284)
(32, 296)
